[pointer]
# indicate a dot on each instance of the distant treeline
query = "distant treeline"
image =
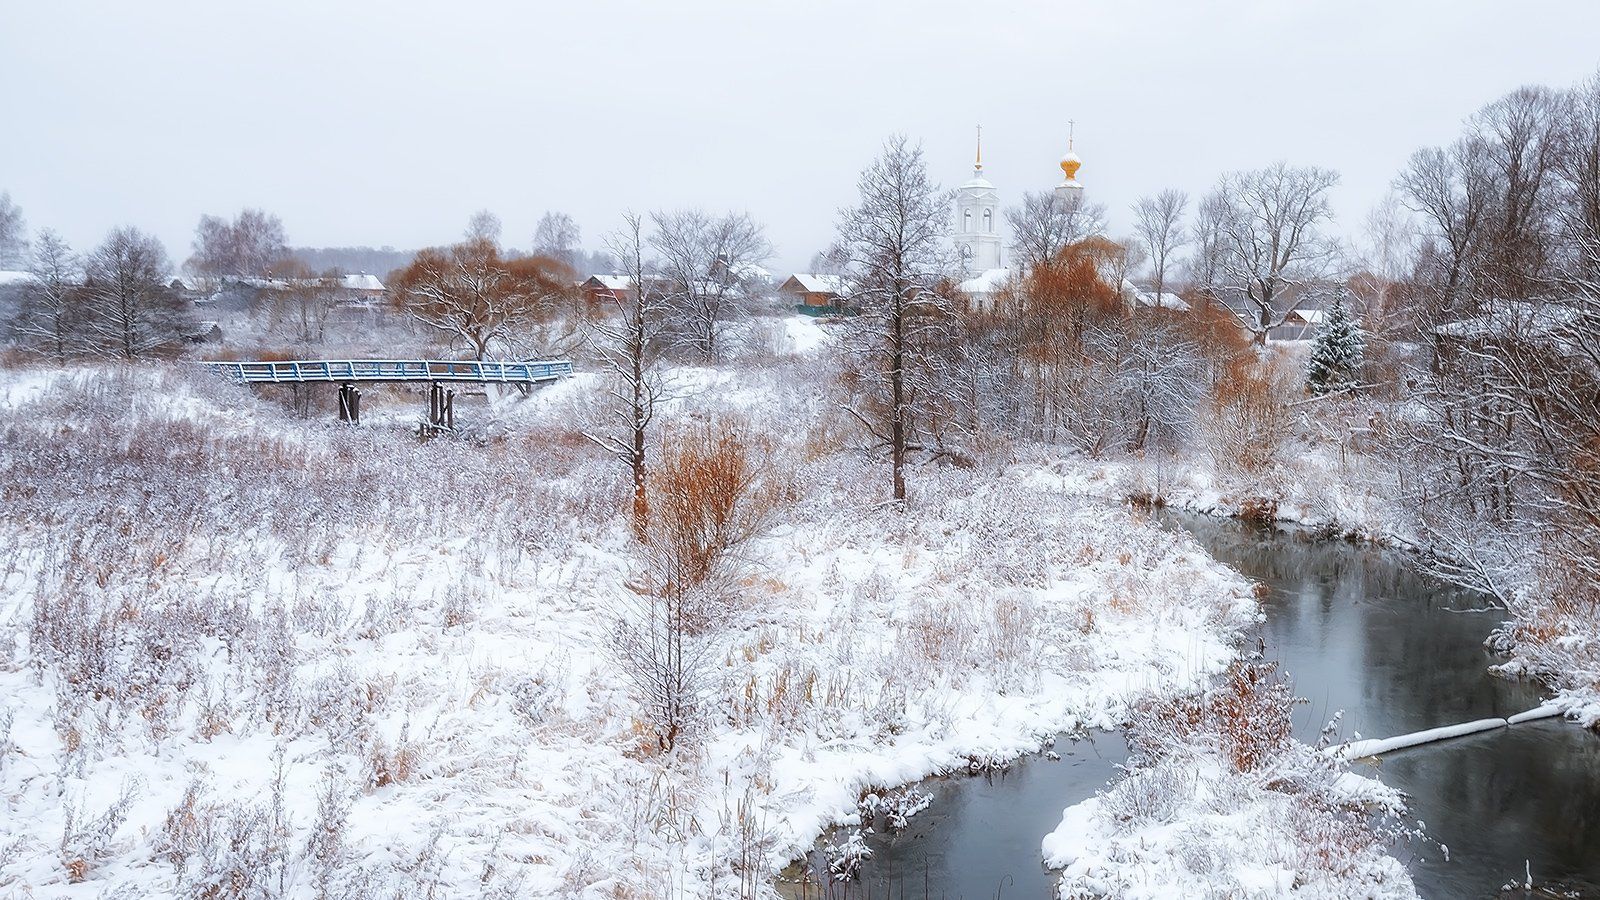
(378, 261)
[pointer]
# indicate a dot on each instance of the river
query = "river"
(1357, 629)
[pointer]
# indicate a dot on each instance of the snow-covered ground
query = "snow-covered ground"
(247, 653)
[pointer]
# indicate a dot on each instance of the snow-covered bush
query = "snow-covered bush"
(1222, 801)
(1249, 423)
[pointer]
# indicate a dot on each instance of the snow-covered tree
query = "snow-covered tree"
(13, 234)
(469, 292)
(629, 345)
(1272, 256)
(51, 312)
(247, 247)
(1043, 226)
(898, 266)
(1158, 221)
(130, 309)
(1337, 352)
(706, 264)
(557, 237)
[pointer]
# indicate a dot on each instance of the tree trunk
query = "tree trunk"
(897, 437)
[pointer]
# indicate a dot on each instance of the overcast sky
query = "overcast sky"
(390, 123)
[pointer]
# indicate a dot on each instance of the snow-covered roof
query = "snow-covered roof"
(612, 282)
(1512, 317)
(986, 282)
(751, 272)
(363, 282)
(817, 284)
(1163, 300)
(1309, 316)
(14, 277)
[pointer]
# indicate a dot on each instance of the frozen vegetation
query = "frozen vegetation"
(249, 654)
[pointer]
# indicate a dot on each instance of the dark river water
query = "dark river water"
(1357, 629)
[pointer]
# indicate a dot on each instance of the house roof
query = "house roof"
(811, 283)
(12, 277)
(1163, 300)
(1513, 317)
(610, 282)
(363, 282)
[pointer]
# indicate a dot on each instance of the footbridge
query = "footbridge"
(436, 373)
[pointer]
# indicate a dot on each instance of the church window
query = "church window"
(987, 220)
(966, 220)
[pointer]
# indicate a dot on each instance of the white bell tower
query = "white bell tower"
(977, 225)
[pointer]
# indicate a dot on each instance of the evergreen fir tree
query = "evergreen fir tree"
(1336, 353)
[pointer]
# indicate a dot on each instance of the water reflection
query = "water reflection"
(1360, 630)
(980, 838)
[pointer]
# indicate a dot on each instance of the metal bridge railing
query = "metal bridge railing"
(344, 371)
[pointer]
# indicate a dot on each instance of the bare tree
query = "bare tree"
(1122, 259)
(1158, 221)
(52, 300)
(1272, 255)
(1519, 135)
(630, 345)
(557, 237)
(1044, 225)
(248, 247)
(305, 300)
(13, 234)
(130, 308)
(895, 242)
(1577, 171)
(468, 292)
(483, 226)
(1451, 189)
(1388, 252)
(706, 267)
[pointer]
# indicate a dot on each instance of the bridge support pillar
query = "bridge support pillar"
(349, 404)
(441, 408)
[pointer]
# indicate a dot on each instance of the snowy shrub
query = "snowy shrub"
(388, 765)
(1246, 718)
(84, 842)
(846, 856)
(942, 634)
(8, 716)
(223, 851)
(1150, 795)
(538, 696)
(1249, 423)
(325, 848)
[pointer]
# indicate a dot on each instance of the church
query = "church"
(976, 231)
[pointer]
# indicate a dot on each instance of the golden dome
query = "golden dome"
(1070, 164)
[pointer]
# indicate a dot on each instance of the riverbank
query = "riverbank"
(1351, 496)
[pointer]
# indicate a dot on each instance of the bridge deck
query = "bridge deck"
(342, 371)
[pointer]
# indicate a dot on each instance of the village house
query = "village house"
(817, 295)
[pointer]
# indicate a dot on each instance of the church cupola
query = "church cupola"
(1070, 190)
